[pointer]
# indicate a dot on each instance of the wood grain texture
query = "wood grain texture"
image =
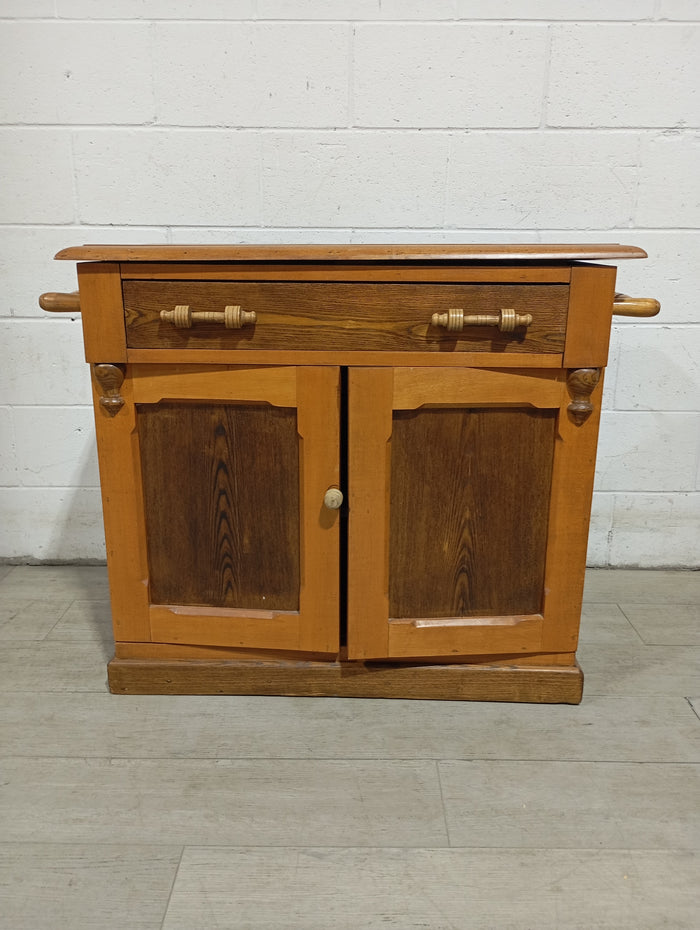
(580, 383)
(469, 504)
(318, 424)
(242, 552)
(370, 392)
(512, 634)
(469, 483)
(110, 378)
(225, 627)
(102, 313)
(123, 512)
(467, 387)
(447, 359)
(123, 650)
(590, 315)
(447, 272)
(327, 317)
(547, 685)
(425, 502)
(275, 385)
(472, 482)
(433, 252)
(54, 302)
(573, 473)
(625, 305)
(221, 493)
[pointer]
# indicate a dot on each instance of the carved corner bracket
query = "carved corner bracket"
(110, 379)
(581, 383)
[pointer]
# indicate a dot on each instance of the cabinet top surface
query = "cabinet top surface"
(445, 252)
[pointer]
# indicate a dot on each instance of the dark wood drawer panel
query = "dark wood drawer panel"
(344, 317)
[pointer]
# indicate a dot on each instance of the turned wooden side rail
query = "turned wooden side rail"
(623, 305)
(60, 303)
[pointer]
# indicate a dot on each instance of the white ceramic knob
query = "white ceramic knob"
(333, 498)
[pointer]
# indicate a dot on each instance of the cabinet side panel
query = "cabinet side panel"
(469, 507)
(221, 492)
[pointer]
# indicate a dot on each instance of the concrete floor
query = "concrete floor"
(184, 813)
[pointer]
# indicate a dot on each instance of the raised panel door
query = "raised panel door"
(224, 539)
(469, 496)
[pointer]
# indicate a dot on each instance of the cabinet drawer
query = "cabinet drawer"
(344, 317)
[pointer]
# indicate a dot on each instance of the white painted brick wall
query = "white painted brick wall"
(448, 74)
(560, 180)
(252, 74)
(91, 77)
(367, 120)
(167, 176)
(600, 75)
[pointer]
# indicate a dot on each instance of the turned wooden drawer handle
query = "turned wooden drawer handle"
(183, 317)
(60, 303)
(624, 305)
(506, 320)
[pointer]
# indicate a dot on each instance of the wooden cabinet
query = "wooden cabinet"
(347, 470)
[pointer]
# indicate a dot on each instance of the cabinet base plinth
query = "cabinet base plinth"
(530, 684)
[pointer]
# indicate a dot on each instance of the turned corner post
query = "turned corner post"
(110, 379)
(581, 383)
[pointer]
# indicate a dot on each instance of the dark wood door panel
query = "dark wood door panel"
(469, 507)
(221, 494)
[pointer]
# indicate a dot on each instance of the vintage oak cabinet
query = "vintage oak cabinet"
(347, 470)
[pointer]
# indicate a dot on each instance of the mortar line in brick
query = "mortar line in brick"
(446, 179)
(674, 492)
(356, 129)
(151, 36)
(260, 156)
(469, 231)
(600, 21)
(351, 75)
(74, 180)
(544, 113)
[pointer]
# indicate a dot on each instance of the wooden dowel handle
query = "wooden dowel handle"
(183, 317)
(506, 320)
(60, 303)
(624, 305)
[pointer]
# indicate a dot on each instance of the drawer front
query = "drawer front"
(345, 317)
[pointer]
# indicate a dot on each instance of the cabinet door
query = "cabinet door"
(469, 499)
(213, 484)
